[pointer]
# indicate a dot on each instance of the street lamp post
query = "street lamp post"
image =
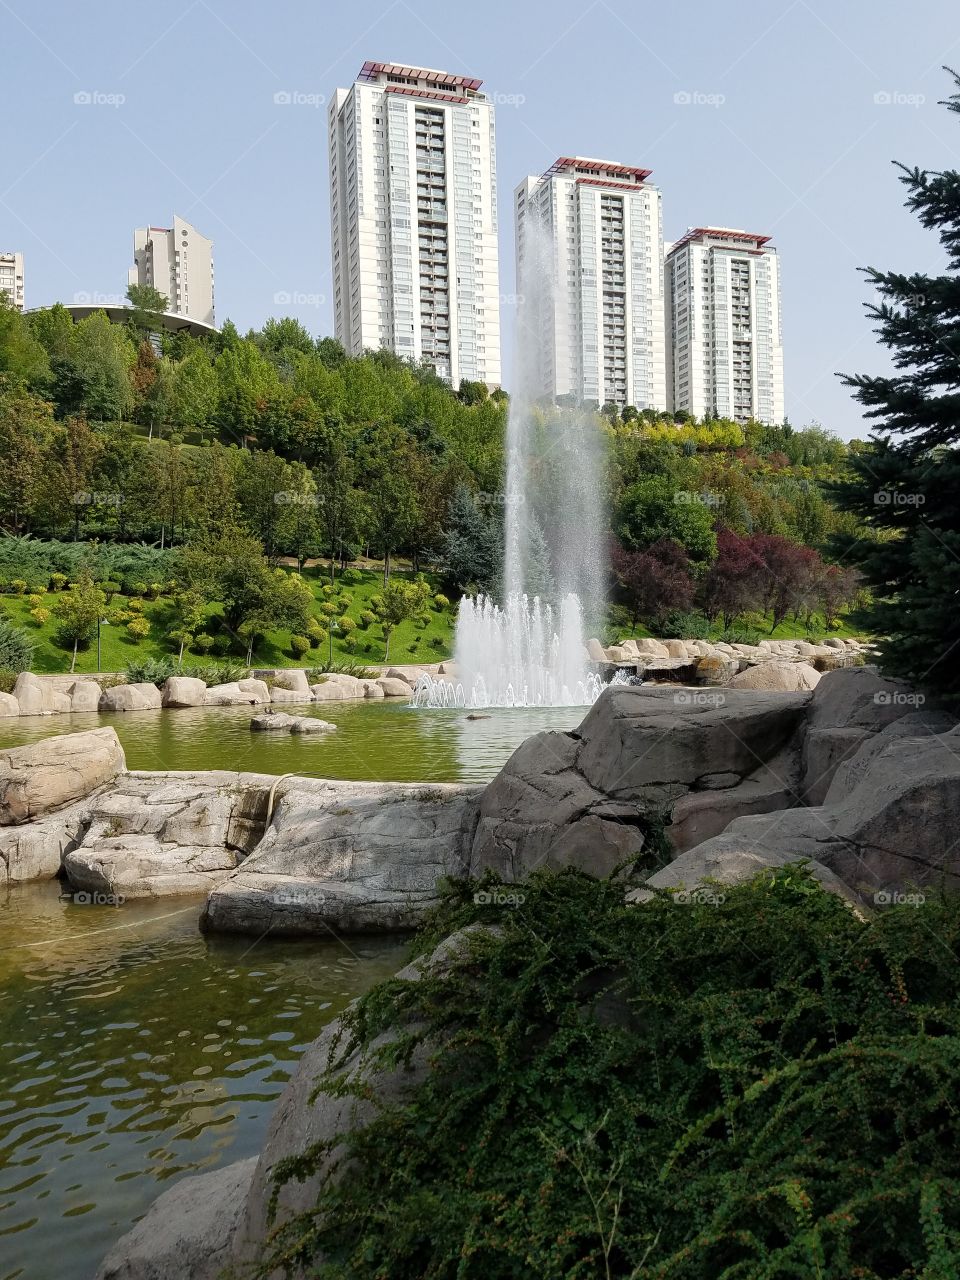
(334, 626)
(101, 622)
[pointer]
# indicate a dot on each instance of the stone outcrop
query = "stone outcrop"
(280, 722)
(183, 691)
(85, 696)
(36, 697)
(131, 697)
(48, 775)
(776, 674)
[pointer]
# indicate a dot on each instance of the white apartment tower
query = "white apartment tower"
(413, 202)
(11, 278)
(593, 231)
(178, 261)
(723, 314)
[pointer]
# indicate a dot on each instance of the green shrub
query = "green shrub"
(299, 645)
(138, 629)
(7, 680)
(329, 608)
(151, 670)
(58, 581)
(328, 589)
(135, 605)
(346, 624)
(377, 604)
(351, 577)
(351, 643)
(741, 635)
(342, 669)
(440, 601)
(202, 643)
(35, 600)
(139, 587)
(754, 1083)
(40, 615)
(222, 644)
(16, 647)
(684, 626)
(109, 588)
(215, 673)
(19, 586)
(346, 600)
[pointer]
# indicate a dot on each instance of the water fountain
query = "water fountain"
(526, 652)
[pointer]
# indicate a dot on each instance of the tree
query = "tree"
(102, 358)
(790, 576)
(470, 545)
(653, 509)
(735, 581)
(400, 602)
(23, 360)
(147, 306)
(905, 486)
(78, 611)
(16, 650)
(656, 582)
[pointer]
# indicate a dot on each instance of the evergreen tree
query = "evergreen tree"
(905, 486)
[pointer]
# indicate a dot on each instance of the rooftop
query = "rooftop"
(439, 79)
(720, 233)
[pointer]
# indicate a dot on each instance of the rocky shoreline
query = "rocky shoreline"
(857, 776)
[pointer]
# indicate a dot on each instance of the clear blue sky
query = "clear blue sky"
(783, 135)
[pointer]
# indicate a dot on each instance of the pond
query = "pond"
(376, 741)
(133, 1050)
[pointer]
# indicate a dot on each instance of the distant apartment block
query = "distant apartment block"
(596, 229)
(178, 261)
(11, 277)
(723, 316)
(413, 200)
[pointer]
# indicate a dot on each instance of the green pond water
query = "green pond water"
(133, 1050)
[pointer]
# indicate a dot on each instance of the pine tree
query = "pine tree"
(905, 486)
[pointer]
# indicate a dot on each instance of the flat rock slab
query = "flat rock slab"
(55, 772)
(280, 722)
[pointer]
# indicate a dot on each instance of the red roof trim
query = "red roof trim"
(408, 91)
(588, 167)
(604, 182)
(720, 233)
(370, 70)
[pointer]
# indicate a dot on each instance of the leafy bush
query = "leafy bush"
(40, 615)
(351, 643)
(685, 626)
(59, 580)
(299, 645)
(202, 643)
(329, 608)
(346, 624)
(752, 1084)
(138, 629)
(367, 619)
(7, 680)
(19, 586)
(222, 644)
(741, 635)
(152, 670)
(377, 604)
(135, 605)
(341, 669)
(108, 587)
(440, 601)
(351, 577)
(215, 673)
(16, 647)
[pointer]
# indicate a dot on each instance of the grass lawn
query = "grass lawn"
(410, 642)
(760, 624)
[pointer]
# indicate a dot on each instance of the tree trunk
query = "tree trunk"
(74, 661)
(386, 645)
(386, 566)
(250, 652)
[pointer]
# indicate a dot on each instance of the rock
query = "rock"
(393, 688)
(131, 697)
(371, 689)
(256, 687)
(346, 856)
(281, 695)
(448, 669)
(187, 1232)
(595, 650)
(850, 768)
(35, 850)
(656, 649)
(716, 669)
(231, 695)
(353, 688)
(311, 724)
(55, 772)
(293, 679)
(277, 722)
(617, 653)
(36, 697)
(183, 691)
(824, 750)
(630, 648)
(786, 676)
(729, 860)
(330, 691)
(676, 649)
(85, 696)
(9, 706)
(143, 866)
(478, 715)
(395, 673)
(709, 810)
(832, 642)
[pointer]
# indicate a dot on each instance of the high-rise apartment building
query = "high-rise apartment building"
(11, 277)
(413, 202)
(589, 237)
(723, 315)
(178, 261)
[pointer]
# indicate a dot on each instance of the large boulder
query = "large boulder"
(294, 680)
(351, 686)
(372, 689)
(38, 697)
(35, 850)
(131, 697)
(183, 691)
(85, 696)
(393, 688)
(348, 857)
(716, 668)
(259, 689)
(188, 1232)
(781, 676)
(9, 706)
(330, 691)
(398, 673)
(232, 695)
(47, 775)
(595, 650)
